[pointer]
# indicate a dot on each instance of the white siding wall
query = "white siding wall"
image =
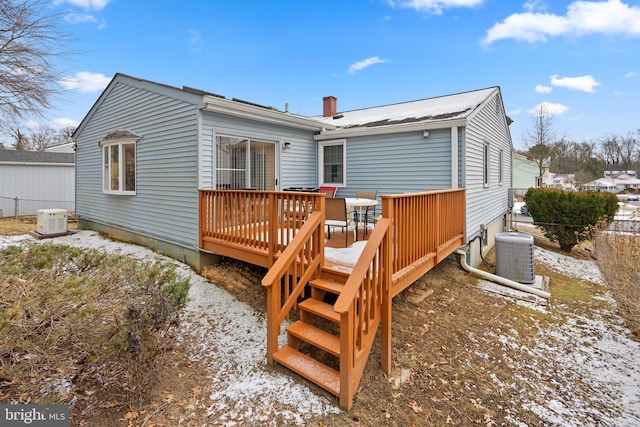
(166, 200)
(37, 186)
(486, 205)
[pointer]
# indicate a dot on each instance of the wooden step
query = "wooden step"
(319, 338)
(328, 285)
(311, 369)
(320, 308)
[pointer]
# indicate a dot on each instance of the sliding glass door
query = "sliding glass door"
(244, 163)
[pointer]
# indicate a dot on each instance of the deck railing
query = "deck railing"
(253, 226)
(426, 227)
(287, 279)
(362, 306)
(416, 232)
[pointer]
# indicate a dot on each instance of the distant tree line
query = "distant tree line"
(39, 138)
(588, 159)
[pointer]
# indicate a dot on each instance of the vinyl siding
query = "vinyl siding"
(487, 204)
(297, 164)
(398, 163)
(165, 204)
(37, 186)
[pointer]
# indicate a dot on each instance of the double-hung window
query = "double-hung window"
(333, 163)
(501, 167)
(119, 163)
(486, 163)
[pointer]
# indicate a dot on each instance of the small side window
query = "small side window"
(486, 164)
(333, 164)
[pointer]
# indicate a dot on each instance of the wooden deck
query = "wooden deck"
(284, 231)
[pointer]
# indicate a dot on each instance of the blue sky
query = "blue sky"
(582, 58)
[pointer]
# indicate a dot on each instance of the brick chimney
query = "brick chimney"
(329, 104)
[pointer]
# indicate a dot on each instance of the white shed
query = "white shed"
(32, 180)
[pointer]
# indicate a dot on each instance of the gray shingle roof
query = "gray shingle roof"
(21, 156)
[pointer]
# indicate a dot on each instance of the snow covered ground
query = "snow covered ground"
(229, 337)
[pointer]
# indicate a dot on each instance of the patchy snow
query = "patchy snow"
(440, 108)
(586, 270)
(229, 338)
(345, 256)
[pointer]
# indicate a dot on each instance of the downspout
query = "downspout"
(498, 279)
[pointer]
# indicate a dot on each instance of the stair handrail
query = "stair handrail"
(352, 286)
(362, 305)
(290, 274)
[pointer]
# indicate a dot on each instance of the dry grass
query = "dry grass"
(23, 225)
(77, 323)
(460, 346)
(618, 259)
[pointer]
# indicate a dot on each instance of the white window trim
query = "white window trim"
(119, 143)
(321, 146)
(486, 164)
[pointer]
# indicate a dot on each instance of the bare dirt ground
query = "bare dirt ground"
(462, 356)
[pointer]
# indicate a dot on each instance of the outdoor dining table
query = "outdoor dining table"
(360, 204)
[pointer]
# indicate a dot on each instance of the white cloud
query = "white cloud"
(549, 108)
(543, 89)
(86, 4)
(535, 5)
(85, 81)
(514, 112)
(77, 18)
(631, 74)
(434, 6)
(63, 122)
(583, 83)
(365, 63)
(582, 18)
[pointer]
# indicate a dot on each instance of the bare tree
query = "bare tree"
(66, 132)
(628, 147)
(30, 40)
(42, 137)
(611, 151)
(538, 140)
(20, 141)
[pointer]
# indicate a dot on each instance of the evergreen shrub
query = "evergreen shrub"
(569, 217)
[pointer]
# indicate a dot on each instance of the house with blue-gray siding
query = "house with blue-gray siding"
(145, 149)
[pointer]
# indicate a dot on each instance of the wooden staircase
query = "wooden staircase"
(338, 314)
(312, 331)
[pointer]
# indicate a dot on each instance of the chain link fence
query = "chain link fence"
(16, 206)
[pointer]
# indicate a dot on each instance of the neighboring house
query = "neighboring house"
(144, 149)
(67, 147)
(620, 174)
(562, 181)
(526, 174)
(33, 180)
(614, 182)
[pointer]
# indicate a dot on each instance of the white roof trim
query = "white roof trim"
(238, 109)
(382, 130)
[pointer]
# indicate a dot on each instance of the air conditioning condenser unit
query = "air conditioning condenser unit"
(514, 257)
(52, 221)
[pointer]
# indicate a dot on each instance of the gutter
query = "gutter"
(498, 279)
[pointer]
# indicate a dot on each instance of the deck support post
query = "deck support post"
(347, 358)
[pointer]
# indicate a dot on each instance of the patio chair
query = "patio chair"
(328, 191)
(370, 213)
(335, 215)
